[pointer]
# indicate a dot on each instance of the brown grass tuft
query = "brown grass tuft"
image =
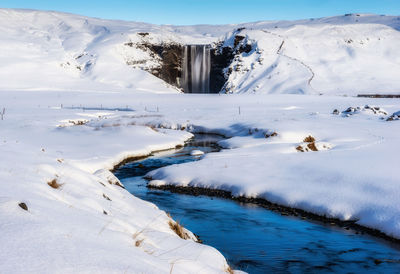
(106, 197)
(139, 242)
(273, 134)
(54, 184)
(309, 139)
(312, 146)
(229, 270)
(78, 122)
(178, 229)
(300, 148)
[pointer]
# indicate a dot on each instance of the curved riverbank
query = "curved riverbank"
(254, 239)
(281, 209)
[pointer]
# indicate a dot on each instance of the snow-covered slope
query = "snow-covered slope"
(328, 59)
(60, 208)
(338, 55)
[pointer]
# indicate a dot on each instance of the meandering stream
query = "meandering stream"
(257, 240)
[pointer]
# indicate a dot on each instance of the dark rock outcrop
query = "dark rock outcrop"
(171, 65)
(170, 57)
(221, 58)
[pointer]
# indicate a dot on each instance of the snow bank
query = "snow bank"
(61, 210)
(88, 224)
(351, 176)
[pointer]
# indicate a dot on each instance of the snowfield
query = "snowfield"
(352, 176)
(71, 108)
(83, 222)
(89, 225)
(57, 51)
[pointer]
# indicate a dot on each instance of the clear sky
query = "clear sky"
(188, 12)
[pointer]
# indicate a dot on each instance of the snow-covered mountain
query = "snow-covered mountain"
(348, 54)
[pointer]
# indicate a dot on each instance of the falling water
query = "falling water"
(196, 66)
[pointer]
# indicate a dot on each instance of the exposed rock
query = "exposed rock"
(169, 57)
(394, 116)
(354, 110)
(375, 110)
(238, 39)
(221, 58)
(143, 34)
(273, 134)
(167, 60)
(23, 206)
(171, 66)
(351, 110)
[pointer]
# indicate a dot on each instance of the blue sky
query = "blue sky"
(188, 12)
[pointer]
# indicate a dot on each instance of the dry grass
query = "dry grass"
(139, 242)
(178, 229)
(54, 184)
(115, 183)
(309, 139)
(312, 146)
(229, 270)
(106, 197)
(273, 134)
(78, 122)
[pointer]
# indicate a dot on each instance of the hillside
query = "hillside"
(348, 54)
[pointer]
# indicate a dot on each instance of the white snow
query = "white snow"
(315, 59)
(73, 109)
(336, 55)
(88, 224)
(196, 152)
(353, 176)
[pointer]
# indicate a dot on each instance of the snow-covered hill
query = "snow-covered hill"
(347, 54)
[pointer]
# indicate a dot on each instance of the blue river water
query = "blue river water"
(257, 240)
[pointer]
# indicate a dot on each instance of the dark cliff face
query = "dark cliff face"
(171, 60)
(221, 58)
(171, 65)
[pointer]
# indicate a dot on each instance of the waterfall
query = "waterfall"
(196, 67)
